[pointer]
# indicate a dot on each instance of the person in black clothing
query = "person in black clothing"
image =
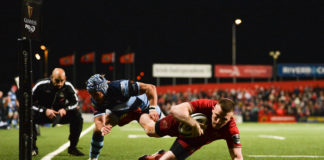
(55, 101)
(3, 113)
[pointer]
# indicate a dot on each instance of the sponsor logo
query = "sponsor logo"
(123, 116)
(30, 28)
(283, 118)
(303, 70)
(297, 70)
(61, 94)
(320, 70)
(232, 71)
(30, 21)
(164, 124)
(29, 11)
(236, 139)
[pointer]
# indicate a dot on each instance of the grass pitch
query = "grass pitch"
(259, 141)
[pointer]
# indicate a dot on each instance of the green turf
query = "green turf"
(301, 139)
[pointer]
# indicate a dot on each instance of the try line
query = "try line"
(66, 145)
(285, 156)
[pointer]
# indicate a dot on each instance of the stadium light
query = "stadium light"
(43, 47)
(236, 23)
(37, 56)
(46, 62)
(275, 55)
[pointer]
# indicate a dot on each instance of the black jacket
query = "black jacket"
(45, 95)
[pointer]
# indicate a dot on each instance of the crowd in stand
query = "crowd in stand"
(9, 109)
(250, 103)
(256, 102)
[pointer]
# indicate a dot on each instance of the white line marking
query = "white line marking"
(257, 129)
(66, 145)
(285, 156)
(272, 137)
(142, 136)
(132, 129)
(137, 136)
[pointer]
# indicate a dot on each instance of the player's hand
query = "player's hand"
(197, 130)
(50, 113)
(203, 126)
(106, 129)
(154, 115)
(62, 112)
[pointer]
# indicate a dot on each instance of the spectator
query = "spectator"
(13, 105)
(3, 113)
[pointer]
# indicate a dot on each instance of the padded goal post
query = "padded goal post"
(30, 31)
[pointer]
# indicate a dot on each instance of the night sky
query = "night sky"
(192, 31)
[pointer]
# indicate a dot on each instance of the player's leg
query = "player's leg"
(148, 124)
(167, 126)
(35, 148)
(15, 119)
(168, 156)
(10, 116)
(97, 140)
(76, 123)
(180, 150)
(155, 156)
(38, 118)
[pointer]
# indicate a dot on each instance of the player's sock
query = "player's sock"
(97, 142)
(9, 121)
(14, 123)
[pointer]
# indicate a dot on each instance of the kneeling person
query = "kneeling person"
(55, 101)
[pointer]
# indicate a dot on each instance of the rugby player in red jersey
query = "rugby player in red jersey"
(220, 125)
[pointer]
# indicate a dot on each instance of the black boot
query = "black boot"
(74, 151)
(35, 151)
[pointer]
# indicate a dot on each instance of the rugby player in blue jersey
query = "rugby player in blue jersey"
(118, 103)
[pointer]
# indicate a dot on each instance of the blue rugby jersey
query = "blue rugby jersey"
(121, 97)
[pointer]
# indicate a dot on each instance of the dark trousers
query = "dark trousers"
(73, 117)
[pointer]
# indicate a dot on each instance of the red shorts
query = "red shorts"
(130, 116)
(182, 147)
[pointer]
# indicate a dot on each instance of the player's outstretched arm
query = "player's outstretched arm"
(236, 153)
(182, 112)
(150, 91)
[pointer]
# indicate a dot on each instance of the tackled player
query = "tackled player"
(220, 125)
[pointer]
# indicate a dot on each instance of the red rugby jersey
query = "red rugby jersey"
(229, 132)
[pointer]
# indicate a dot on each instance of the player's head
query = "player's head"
(222, 113)
(97, 86)
(58, 77)
(13, 88)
